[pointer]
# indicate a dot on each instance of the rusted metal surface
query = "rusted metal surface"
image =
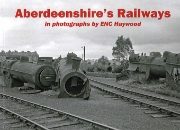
(153, 67)
(71, 80)
(16, 73)
(45, 60)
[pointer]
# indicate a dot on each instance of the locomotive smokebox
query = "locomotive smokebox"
(71, 80)
(73, 84)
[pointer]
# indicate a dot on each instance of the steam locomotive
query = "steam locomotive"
(156, 66)
(72, 80)
(66, 74)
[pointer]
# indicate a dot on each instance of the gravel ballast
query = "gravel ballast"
(100, 108)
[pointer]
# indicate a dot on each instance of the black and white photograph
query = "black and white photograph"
(89, 65)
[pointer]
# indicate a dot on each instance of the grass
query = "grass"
(157, 86)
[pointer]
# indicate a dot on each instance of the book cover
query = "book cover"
(56, 51)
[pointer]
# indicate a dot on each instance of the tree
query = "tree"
(103, 60)
(122, 49)
(102, 64)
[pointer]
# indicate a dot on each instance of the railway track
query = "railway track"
(160, 104)
(22, 114)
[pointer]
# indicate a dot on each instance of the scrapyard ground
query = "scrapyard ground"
(100, 108)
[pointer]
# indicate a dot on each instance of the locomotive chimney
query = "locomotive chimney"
(76, 63)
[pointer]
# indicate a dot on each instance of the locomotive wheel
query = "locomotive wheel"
(8, 80)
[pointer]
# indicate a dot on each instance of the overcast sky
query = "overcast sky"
(31, 34)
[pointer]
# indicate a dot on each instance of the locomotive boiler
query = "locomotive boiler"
(152, 66)
(18, 72)
(45, 60)
(72, 81)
